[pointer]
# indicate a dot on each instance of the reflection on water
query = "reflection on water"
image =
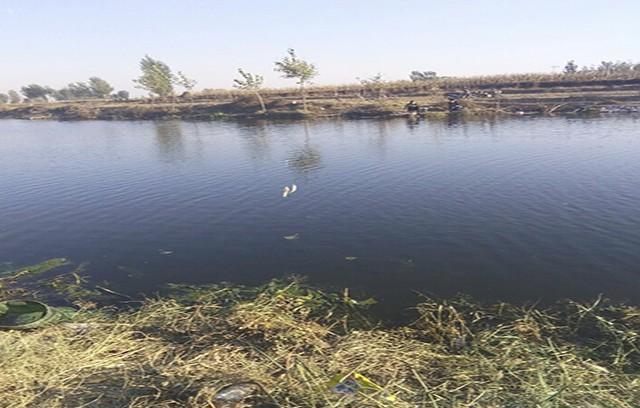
(305, 158)
(383, 134)
(516, 209)
(257, 140)
(169, 139)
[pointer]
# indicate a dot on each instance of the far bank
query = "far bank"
(508, 98)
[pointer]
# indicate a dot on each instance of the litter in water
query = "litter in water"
(113, 292)
(287, 191)
(24, 314)
(164, 252)
(291, 237)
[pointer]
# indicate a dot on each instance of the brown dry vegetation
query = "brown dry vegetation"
(518, 81)
(523, 93)
(288, 341)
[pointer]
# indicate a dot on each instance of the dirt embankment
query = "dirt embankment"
(551, 97)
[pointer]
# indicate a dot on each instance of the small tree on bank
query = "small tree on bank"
(418, 76)
(293, 67)
(571, 67)
(14, 97)
(75, 90)
(251, 83)
(374, 85)
(35, 92)
(121, 96)
(100, 88)
(187, 83)
(4, 98)
(156, 77)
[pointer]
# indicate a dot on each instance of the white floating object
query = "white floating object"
(291, 237)
(163, 252)
(286, 191)
(350, 258)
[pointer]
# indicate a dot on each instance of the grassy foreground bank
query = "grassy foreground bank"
(289, 344)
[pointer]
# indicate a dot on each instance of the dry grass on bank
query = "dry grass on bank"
(526, 80)
(289, 341)
(582, 93)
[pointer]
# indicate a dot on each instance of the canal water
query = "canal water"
(522, 209)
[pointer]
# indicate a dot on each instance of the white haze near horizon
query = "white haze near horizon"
(57, 42)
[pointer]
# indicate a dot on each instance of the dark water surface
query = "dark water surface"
(516, 210)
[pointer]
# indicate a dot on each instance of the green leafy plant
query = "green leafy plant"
(293, 67)
(251, 83)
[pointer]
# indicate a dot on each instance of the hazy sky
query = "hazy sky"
(57, 42)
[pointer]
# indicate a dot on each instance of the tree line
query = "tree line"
(94, 88)
(158, 79)
(605, 68)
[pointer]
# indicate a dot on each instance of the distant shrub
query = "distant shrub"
(120, 96)
(416, 76)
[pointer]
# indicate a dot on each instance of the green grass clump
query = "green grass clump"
(293, 342)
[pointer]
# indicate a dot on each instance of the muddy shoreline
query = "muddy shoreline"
(93, 111)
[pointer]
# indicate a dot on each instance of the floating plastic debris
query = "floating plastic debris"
(350, 258)
(24, 314)
(348, 387)
(164, 252)
(292, 237)
(231, 396)
(287, 191)
(113, 292)
(354, 384)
